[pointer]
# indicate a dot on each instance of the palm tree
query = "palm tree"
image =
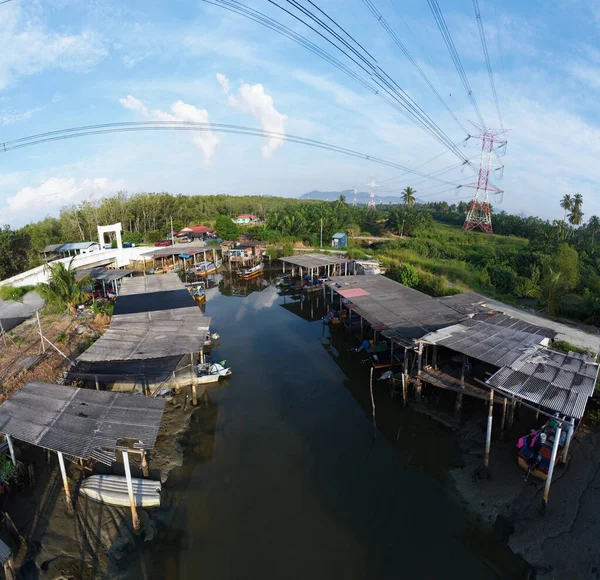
(408, 196)
(594, 226)
(576, 216)
(567, 204)
(577, 201)
(63, 288)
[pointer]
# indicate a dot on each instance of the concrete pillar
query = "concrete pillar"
(11, 449)
(488, 433)
(570, 432)
(136, 521)
(63, 472)
(551, 466)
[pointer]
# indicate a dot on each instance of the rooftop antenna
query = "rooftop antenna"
(372, 185)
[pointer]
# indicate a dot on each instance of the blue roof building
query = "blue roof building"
(339, 240)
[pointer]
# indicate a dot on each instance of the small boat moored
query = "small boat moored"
(212, 372)
(205, 268)
(250, 273)
(112, 490)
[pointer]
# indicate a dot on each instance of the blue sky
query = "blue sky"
(67, 63)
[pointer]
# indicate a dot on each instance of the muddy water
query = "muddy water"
(283, 478)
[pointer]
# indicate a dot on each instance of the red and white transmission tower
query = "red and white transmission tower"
(480, 214)
(372, 185)
(354, 202)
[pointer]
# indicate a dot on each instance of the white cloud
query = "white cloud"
(206, 140)
(28, 47)
(10, 117)
(254, 100)
(133, 104)
(33, 203)
(224, 82)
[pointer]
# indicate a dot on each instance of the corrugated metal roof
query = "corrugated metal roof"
(103, 274)
(339, 235)
(497, 340)
(550, 379)
(154, 317)
(5, 553)
(315, 260)
(50, 248)
(76, 246)
(80, 422)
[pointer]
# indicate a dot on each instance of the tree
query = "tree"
(409, 276)
(576, 215)
(226, 228)
(408, 196)
(15, 249)
(594, 226)
(567, 204)
(63, 288)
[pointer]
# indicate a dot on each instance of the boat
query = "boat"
(211, 339)
(334, 318)
(112, 489)
(312, 288)
(157, 271)
(198, 293)
(205, 268)
(535, 450)
(212, 372)
(251, 272)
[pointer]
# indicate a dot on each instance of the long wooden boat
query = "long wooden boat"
(205, 268)
(250, 273)
(312, 288)
(112, 489)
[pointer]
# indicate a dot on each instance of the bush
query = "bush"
(503, 278)
(226, 228)
(152, 236)
(409, 276)
(12, 293)
(133, 238)
(287, 249)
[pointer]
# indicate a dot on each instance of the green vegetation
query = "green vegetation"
(225, 228)
(11, 293)
(64, 290)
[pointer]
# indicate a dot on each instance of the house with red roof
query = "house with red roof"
(196, 231)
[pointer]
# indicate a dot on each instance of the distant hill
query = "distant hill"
(362, 197)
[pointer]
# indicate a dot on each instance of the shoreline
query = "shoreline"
(558, 544)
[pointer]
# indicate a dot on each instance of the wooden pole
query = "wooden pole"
(37, 314)
(434, 357)
(570, 432)
(136, 521)
(504, 405)
(511, 413)
(459, 396)
(63, 472)
(419, 367)
(405, 376)
(194, 380)
(392, 355)
(488, 433)
(145, 469)
(8, 569)
(404, 390)
(97, 383)
(11, 449)
(551, 466)
(373, 406)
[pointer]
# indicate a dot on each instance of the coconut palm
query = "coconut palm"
(408, 196)
(567, 204)
(594, 226)
(576, 216)
(63, 288)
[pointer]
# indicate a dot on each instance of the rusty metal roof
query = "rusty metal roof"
(316, 260)
(80, 422)
(551, 379)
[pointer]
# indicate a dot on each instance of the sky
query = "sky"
(67, 63)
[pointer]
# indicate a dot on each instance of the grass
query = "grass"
(12, 293)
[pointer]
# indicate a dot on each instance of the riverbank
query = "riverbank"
(560, 543)
(96, 540)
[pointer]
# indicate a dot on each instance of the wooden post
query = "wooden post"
(145, 470)
(570, 432)
(419, 367)
(459, 396)
(405, 376)
(8, 569)
(511, 413)
(373, 405)
(194, 380)
(392, 355)
(97, 383)
(331, 295)
(328, 270)
(504, 405)
(134, 516)
(63, 472)
(404, 390)
(37, 314)
(11, 449)
(551, 466)
(488, 433)
(434, 357)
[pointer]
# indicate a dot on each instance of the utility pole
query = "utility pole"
(321, 233)
(480, 214)
(172, 236)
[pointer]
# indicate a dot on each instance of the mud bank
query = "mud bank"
(96, 540)
(560, 543)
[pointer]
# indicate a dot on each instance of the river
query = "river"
(282, 477)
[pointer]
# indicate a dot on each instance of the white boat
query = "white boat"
(251, 272)
(211, 372)
(112, 489)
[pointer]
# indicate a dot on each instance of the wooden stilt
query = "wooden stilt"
(8, 569)
(145, 469)
(403, 389)
(405, 376)
(503, 422)
(511, 413)
(194, 379)
(570, 431)
(434, 357)
(11, 449)
(419, 367)
(63, 472)
(488, 433)
(136, 521)
(97, 383)
(551, 466)
(459, 396)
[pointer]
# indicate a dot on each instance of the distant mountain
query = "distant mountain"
(362, 197)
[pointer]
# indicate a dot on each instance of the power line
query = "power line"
(132, 126)
(378, 81)
(410, 58)
(486, 53)
(445, 32)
